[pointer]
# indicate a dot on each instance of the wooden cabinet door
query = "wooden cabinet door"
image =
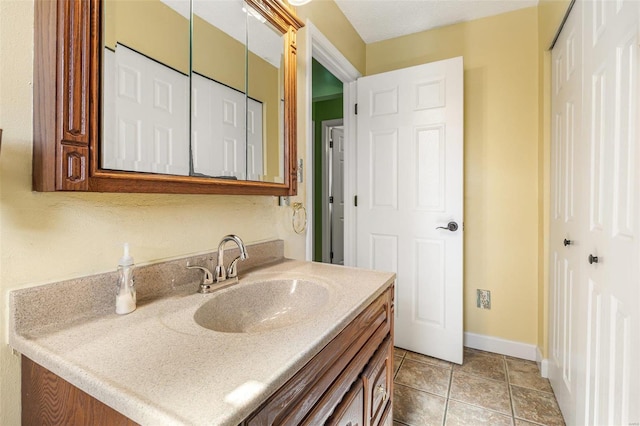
(378, 383)
(350, 412)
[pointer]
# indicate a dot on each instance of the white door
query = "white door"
(595, 326)
(409, 183)
(337, 195)
(148, 104)
(612, 325)
(568, 147)
(255, 143)
(218, 129)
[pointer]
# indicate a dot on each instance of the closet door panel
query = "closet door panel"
(568, 189)
(610, 59)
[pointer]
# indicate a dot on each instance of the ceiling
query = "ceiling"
(377, 20)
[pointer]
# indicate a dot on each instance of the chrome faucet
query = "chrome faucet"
(223, 277)
(223, 274)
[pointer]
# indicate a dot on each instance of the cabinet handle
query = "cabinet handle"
(567, 242)
(383, 391)
(593, 259)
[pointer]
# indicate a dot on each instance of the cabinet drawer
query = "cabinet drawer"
(378, 383)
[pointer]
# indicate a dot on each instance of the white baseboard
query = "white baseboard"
(543, 364)
(501, 346)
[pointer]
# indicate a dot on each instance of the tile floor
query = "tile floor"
(487, 389)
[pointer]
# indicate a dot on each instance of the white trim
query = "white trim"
(319, 47)
(543, 364)
(501, 346)
(329, 55)
(350, 97)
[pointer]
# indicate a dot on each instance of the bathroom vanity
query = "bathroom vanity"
(330, 362)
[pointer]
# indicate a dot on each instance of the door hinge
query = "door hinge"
(331, 255)
(331, 199)
(355, 200)
(356, 109)
(330, 143)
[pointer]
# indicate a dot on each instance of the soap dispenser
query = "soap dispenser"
(126, 292)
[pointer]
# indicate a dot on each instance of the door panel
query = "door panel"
(337, 194)
(610, 62)
(219, 129)
(146, 101)
(409, 175)
(431, 166)
(383, 170)
(595, 292)
(255, 159)
(568, 189)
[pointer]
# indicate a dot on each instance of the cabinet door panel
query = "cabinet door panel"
(378, 383)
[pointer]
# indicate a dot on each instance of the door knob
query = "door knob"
(593, 259)
(567, 242)
(451, 226)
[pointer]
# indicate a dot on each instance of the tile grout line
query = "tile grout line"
(419, 390)
(513, 411)
(446, 403)
(399, 367)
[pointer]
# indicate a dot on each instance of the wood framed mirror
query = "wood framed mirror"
(69, 120)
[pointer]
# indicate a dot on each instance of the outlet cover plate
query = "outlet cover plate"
(483, 299)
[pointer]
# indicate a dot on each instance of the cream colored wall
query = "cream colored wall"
(329, 19)
(550, 14)
(149, 27)
(501, 160)
(46, 237)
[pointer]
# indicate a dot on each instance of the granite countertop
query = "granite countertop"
(157, 366)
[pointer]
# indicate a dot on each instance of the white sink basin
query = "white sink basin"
(262, 306)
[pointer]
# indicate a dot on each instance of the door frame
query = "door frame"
(327, 184)
(319, 47)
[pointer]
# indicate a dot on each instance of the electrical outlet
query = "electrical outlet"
(483, 300)
(284, 201)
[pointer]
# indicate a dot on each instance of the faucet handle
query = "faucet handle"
(232, 272)
(208, 276)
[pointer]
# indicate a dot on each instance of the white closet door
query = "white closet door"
(611, 91)
(255, 140)
(218, 129)
(595, 326)
(149, 111)
(569, 189)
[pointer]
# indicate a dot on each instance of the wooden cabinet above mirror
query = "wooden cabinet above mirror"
(68, 114)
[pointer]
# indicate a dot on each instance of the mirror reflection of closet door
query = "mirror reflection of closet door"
(218, 88)
(217, 129)
(255, 158)
(146, 87)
